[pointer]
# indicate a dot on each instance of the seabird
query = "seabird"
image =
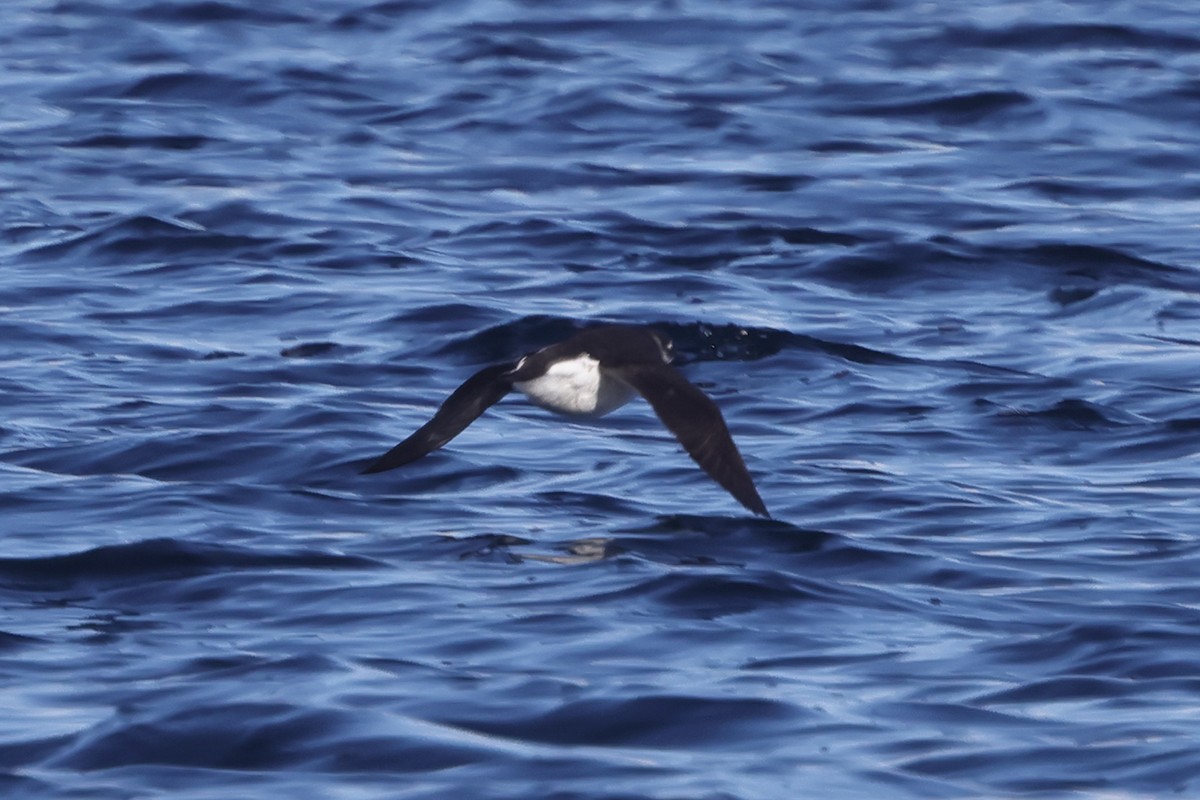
(589, 375)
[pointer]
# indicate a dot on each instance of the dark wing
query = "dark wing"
(698, 425)
(479, 393)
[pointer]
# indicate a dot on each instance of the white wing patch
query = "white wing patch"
(577, 387)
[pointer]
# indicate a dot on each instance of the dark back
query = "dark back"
(611, 345)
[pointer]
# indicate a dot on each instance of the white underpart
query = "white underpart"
(577, 387)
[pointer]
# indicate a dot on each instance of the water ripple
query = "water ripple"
(937, 267)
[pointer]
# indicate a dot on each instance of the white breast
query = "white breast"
(577, 387)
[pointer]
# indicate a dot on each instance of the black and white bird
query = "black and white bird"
(592, 373)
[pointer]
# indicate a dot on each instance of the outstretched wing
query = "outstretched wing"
(479, 393)
(697, 424)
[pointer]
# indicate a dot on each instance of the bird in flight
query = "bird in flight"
(592, 373)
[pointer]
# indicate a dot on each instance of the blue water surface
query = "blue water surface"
(937, 262)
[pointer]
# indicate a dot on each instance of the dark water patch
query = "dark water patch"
(509, 47)
(589, 502)
(221, 355)
(1073, 190)
(256, 737)
(1071, 414)
(435, 315)
(380, 16)
(712, 591)
(752, 231)
(894, 266)
(782, 183)
(1057, 37)
(956, 714)
(656, 29)
(213, 11)
(1108, 265)
(195, 311)
(10, 642)
(825, 660)
(880, 410)
(712, 596)
(1070, 295)
(243, 218)
(17, 754)
(900, 266)
(200, 87)
(442, 477)
(1015, 387)
(143, 238)
(602, 174)
(156, 559)
(544, 240)
(1063, 690)
(310, 349)
(163, 142)
(658, 721)
(175, 457)
(968, 108)
(852, 146)
(1157, 444)
(740, 542)
(712, 240)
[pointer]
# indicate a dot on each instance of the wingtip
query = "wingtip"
(745, 492)
(383, 464)
(757, 506)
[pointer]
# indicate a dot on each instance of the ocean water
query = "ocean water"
(937, 262)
